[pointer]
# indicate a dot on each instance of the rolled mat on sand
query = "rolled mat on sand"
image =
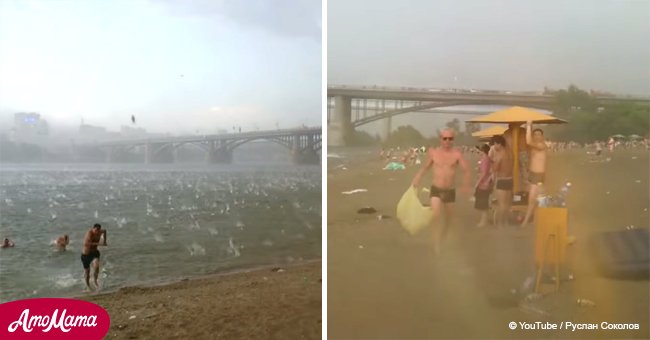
(623, 254)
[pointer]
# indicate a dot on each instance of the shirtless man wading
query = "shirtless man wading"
(536, 167)
(444, 160)
(90, 254)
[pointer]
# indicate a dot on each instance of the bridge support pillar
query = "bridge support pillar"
(158, 153)
(116, 154)
(218, 153)
(388, 126)
(110, 155)
(309, 156)
(339, 129)
(148, 153)
(304, 153)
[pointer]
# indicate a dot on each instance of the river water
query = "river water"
(163, 222)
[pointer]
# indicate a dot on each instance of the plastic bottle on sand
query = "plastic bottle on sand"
(586, 303)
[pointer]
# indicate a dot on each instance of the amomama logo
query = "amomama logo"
(52, 318)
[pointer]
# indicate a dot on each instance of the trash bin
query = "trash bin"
(550, 226)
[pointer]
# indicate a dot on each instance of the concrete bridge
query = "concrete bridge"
(302, 143)
(371, 104)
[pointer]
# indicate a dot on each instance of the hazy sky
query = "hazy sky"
(178, 66)
(516, 45)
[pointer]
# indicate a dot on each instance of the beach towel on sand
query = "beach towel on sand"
(412, 215)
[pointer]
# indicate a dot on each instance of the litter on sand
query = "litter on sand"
(586, 303)
(354, 191)
(394, 166)
(367, 210)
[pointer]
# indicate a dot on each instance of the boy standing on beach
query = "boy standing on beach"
(443, 160)
(483, 185)
(502, 168)
(90, 254)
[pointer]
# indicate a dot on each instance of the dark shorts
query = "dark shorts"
(535, 177)
(482, 199)
(86, 260)
(445, 195)
(505, 184)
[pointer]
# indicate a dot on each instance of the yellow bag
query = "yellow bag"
(411, 213)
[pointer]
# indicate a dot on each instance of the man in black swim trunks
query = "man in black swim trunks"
(90, 254)
(502, 169)
(443, 160)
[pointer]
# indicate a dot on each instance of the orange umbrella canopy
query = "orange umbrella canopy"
(517, 114)
(491, 131)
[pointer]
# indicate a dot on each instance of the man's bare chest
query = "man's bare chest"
(444, 161)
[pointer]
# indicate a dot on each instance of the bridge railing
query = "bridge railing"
(222, 136)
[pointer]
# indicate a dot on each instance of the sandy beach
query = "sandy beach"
(260, 303)
(384, 283)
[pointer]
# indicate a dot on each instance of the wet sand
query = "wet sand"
(260, 303)
(384, 283)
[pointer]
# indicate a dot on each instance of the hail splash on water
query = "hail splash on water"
(232, 249)
(196, 249)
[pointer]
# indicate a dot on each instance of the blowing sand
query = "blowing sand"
(257, 304)
(384, 283)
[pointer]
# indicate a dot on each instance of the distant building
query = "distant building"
(130, 132)
(29, 124)
(92, 131)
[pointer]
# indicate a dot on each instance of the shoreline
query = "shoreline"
(257, 302)
(221, 273)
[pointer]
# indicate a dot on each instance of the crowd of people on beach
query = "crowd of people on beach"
(495, 172)
(495, 175)
(94, 237)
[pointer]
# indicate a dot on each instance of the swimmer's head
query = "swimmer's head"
(538, 135)
(97, 226)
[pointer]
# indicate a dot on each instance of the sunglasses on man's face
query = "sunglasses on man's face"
(448, 138)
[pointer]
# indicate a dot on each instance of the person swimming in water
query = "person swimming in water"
(7, 244)
(62, 242)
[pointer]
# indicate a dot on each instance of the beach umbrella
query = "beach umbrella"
(514, 117)
(491, 131)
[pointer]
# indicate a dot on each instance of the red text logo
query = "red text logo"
(52, 318)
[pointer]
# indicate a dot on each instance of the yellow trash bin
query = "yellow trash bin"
(551, 228)
(550, 241)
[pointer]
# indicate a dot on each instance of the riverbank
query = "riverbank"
(264, 303)
(385, 283)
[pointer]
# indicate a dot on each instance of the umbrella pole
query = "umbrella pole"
(515, 151)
